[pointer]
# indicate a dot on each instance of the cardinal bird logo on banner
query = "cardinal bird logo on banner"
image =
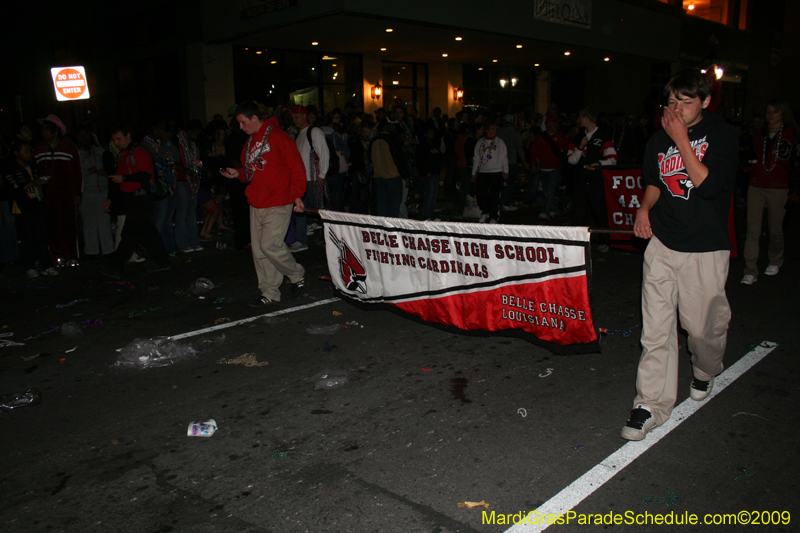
(352, 272)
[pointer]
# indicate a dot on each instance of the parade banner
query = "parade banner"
(526, 281)
(624, 193)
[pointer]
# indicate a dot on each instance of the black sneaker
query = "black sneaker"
(260, 302)
(298, 289)
(639, 424)
(700, 389)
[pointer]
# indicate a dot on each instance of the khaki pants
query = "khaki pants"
(694, 284)
(774, 200)
(271, 257)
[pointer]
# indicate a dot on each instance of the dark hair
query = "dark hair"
(783, 106)
(124, 129)
(689, 82)
(589, 111)
(249, 109)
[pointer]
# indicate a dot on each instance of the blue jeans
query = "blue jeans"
(389, 193)
(163, 213)
(508, 187)
(185, 217)
(549, 179)
(430, 190)
(301, 220)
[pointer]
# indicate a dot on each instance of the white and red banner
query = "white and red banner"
(529, 281)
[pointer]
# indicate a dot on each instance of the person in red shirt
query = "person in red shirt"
(547, 151)
(769, 187)
(135, 176)
(272, 165)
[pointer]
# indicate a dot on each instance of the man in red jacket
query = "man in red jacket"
(272, 165)
(135, 177)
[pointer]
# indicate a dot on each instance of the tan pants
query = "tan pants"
(271, 257)
(693, 283)
(774, 200)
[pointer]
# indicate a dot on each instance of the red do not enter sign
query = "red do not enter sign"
(70, 83)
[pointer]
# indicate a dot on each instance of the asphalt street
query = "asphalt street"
(426, 420)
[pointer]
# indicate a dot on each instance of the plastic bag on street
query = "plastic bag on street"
(149, 353)
(71, 329)
(202, 285)
(20, 399)
(316, 329)
(331, 379)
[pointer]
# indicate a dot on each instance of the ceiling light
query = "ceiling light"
(480, 68)
(383, 49)
(247, 48)
(494, 61)
(389, 30)
(315, 43)
(444, 55)
(691, 7)
(503, 82)
(272, 62)
(519, 46)
(567, 53)
(458, 38)
(536, 64)
(395, 82)
(334, 65)
(258, 51)
(328, 58)
(606, 59)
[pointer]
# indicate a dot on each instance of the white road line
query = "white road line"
(253, 318)
(592, 480)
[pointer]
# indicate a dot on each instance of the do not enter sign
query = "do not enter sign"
(70, 83)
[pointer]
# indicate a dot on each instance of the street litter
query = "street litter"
(133, 314)
(223, 300)
(325, 278)
(669, 500)
(222, 320)
(625, 332)
(522, 411)
(327, 347)
(323, 330)
(272, 319)
(126, 284)
(4, 343)
(31, 358)
(743, 475)
(351, 324)
(73, 302)
(202, 285)
(282, 455)
(472, 505)
(247, 359)
(330, 380)
(206, 428)
(549, 371)
(20, 399)
(579, 447)
(70, 329)
(337, 313)
(155, 352)
(71, 350)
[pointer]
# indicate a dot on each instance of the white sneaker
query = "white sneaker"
(314, 225)
(309, 231)
(749, 279)
(32, 274)
(509, 208)
(483, 218)
(297, 247)
(772, 270)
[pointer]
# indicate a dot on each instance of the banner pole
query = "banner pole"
(606, 230)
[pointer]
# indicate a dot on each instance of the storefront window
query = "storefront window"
(406, 84)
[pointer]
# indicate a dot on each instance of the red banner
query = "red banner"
(526, 281)
(624, 194)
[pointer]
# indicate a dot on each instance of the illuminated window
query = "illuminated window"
(729, 12)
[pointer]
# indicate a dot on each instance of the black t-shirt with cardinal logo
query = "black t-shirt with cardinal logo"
(688, 218)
